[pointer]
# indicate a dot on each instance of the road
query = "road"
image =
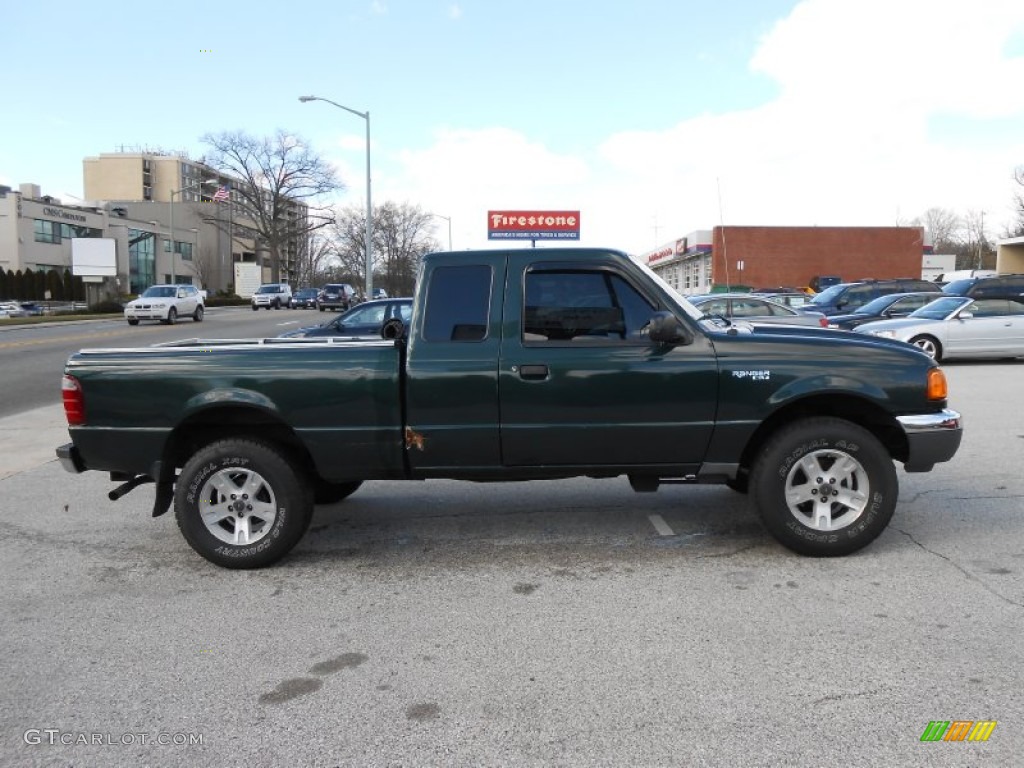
(32, 357)
(537, 624)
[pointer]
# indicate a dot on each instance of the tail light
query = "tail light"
(74, 401)
(823, 321)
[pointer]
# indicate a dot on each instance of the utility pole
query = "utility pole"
(981, 238)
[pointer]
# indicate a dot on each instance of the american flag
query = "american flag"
(222, 194)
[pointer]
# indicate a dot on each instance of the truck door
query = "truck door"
(452, 367)
(581, 384)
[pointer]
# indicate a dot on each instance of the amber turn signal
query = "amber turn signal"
(937, 388)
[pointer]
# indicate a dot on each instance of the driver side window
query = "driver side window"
(581, 305)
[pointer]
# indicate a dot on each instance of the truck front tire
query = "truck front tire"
(824, 487)
(241, 504)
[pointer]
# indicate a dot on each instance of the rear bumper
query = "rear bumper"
(71, 459)
(931, 437)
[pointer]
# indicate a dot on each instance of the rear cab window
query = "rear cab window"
(458, 303)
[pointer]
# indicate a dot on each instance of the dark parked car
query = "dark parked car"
(883, 308)
(305, 298)
(362, 321)
(847, 298)
(743, 306)
(987, 287)
(336, 296)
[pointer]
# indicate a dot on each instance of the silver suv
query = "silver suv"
(274, 295)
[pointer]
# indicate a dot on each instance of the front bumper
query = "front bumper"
(71, 459)
(146, 314)
(931, 438)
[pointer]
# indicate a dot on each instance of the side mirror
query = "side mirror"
(393, 329)
(665, 328)
(965, 315)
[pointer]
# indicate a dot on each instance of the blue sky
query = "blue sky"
(653, 118)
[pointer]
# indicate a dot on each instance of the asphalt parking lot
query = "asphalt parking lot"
(549, 623)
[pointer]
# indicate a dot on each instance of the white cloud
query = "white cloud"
(454, 12)
(854, 137)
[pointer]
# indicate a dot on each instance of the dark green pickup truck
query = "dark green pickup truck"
(517, 365)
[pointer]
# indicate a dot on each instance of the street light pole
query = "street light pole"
(369, 205)
(449, 220)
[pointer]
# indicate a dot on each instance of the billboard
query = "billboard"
(248, 278)
(533, 225)
(93, 257)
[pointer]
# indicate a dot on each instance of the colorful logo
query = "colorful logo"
(958, 730)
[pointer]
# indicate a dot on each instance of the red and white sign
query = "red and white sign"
(533, 225)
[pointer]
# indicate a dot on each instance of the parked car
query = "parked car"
(792, 299)
(380, 293)
(272, 296)
(362, 321)
(959, 326)
(166, 303)
(33, 308)
(758, 310)
(846, 298)
(336, 296)
(978, 287)
(883, 308)
(305, 298)
(819, 283)
(12, 309)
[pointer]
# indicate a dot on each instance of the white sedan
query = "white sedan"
(959, 326)
(166, 303)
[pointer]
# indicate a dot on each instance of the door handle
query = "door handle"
(533, 372)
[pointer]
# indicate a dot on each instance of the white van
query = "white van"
(963, 274)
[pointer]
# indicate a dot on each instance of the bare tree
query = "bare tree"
(944, 226)
(315, 260)
(281, 190)
(203, 265)
(402, 234)
(348, 237)
(1016, 227)
(978, 253)
(405, 233)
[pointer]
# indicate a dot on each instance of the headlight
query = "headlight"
(884, 334)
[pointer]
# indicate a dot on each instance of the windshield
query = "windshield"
(876, 306)
(940, 309)
(829, 295)
(159, 292)
(959, 287)
(269, 289)
(681, 300)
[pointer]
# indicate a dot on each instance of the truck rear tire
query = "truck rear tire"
(241, 504)
(824, 487)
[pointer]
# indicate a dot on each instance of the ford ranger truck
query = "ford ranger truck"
(516, 365)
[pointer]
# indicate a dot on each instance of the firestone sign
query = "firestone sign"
(533, 225)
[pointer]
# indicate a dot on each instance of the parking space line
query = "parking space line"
(660, 525)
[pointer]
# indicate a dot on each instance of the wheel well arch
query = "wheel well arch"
(865, 413)
(209, 425)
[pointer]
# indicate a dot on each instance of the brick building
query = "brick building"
(730, 257)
